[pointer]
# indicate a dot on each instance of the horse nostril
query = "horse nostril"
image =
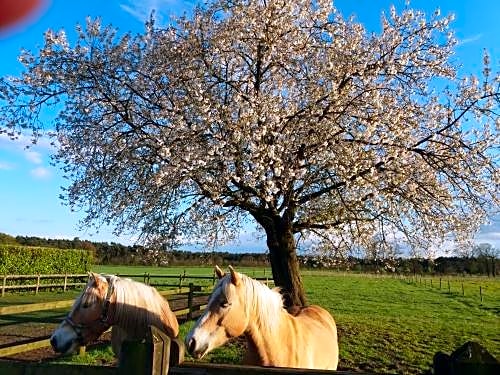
(53, 342)
(191, 345)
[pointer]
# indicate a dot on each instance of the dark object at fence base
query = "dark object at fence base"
(470, 359)
(151, 356)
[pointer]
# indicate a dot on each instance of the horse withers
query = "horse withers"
(127, 306)
(240, 305)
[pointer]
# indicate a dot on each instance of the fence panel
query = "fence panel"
(190, 293)
(157, 355)
(17, 282)
(187, 292)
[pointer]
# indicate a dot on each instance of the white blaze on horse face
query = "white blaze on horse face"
(198, 339)
(64, 339)
(207, 333)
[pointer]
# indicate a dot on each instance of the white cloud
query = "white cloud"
(490, 233)
(33, 156)
(471, 39)
(6, 166)
(141, 9)
(41, 173)
(24, 144)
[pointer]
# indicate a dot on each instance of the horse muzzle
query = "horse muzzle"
(62, 347)
(197, 351)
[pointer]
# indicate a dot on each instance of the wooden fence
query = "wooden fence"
(66, 281)
(158, 355)
(187, 292)
(18, 282)
(450, 286)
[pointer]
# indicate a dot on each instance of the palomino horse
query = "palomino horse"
(240, 305)
(127, 306)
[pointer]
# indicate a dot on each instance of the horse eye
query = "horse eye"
(224, 304)
(86, 305)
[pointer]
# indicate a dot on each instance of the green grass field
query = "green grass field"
(386, 324)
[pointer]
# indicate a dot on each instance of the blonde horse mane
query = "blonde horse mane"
(263, 303)
(133, 307)
(137, 305)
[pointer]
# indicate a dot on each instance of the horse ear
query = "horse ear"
(94, 277)
(219, 272)
(235, 276)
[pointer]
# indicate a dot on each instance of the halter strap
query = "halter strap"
(107, 301)
(103, 319)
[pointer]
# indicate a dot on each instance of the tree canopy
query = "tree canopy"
(282, 113)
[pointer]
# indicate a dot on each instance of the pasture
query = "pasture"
(386, 324)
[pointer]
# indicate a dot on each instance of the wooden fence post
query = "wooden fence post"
(150, 356)
(190, 302)
(65, 282)
(37, 283)
(481, 293)
(3, 284)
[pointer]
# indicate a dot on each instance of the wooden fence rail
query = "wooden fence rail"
(188, 292)
(158, 355)
(65, 284)
(39, 282)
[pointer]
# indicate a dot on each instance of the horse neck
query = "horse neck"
(137, 306)
(130, 307)
(266, 326)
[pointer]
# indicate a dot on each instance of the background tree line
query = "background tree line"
(483, 259)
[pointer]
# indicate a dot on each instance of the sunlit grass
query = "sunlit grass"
(387, 325)
(97, 356)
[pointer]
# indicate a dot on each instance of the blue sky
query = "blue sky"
(30, 186)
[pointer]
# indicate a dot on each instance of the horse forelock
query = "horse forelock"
(90, 295)
(261, 303)
(219, 289)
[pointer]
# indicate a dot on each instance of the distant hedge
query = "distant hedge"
(26, 260)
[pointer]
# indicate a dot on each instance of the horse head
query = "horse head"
(224, 318)
(88, 317)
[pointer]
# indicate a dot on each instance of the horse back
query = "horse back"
(168, 318)
(317, 325)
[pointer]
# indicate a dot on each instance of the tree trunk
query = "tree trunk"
(283, 259)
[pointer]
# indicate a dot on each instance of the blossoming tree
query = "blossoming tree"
(278, 112)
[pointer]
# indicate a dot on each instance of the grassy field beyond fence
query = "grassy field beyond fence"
(386, 324)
